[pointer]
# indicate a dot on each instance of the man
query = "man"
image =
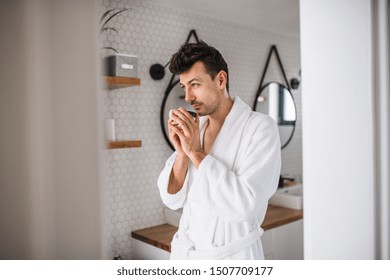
(226, 165)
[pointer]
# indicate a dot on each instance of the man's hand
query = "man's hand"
(185, 135)
(173, 137)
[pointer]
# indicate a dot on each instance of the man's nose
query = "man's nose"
(189, 96)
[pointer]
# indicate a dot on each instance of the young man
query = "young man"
(226, 165)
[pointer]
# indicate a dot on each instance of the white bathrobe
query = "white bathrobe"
(224, 201)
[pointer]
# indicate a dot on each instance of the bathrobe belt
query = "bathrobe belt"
(187, 247)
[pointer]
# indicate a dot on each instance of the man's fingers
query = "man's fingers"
(182, 124)
(184, 114)
(178, 131)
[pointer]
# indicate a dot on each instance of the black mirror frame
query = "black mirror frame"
(287, 85)
(295, 107)
(162, 111)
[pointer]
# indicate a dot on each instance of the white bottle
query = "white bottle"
(109, 130)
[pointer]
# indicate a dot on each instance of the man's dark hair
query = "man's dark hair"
(189, 53)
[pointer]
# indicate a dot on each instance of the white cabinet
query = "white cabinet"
(284, 242)
(145, 251)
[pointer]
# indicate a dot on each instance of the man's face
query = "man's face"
(200, 90)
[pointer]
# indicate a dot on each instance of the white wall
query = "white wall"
(338, 129)
(49, 152)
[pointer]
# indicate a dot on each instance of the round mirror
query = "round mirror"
(173, 99)
(276, 101)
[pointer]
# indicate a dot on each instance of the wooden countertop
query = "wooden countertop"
(277, 216)
(161, 235)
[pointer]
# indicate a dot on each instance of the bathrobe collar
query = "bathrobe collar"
(230, 133)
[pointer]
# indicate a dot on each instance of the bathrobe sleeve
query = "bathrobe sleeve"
(172, 201)
(244, 194)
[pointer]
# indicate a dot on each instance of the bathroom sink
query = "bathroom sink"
(289, 197)
(172, 217)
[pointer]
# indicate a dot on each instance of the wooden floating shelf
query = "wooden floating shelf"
(121, 82)
(123, 144)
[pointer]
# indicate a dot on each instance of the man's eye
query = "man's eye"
(194, 85)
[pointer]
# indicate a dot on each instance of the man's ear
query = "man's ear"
(222, 79)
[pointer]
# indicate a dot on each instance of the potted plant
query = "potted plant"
(117, 65)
